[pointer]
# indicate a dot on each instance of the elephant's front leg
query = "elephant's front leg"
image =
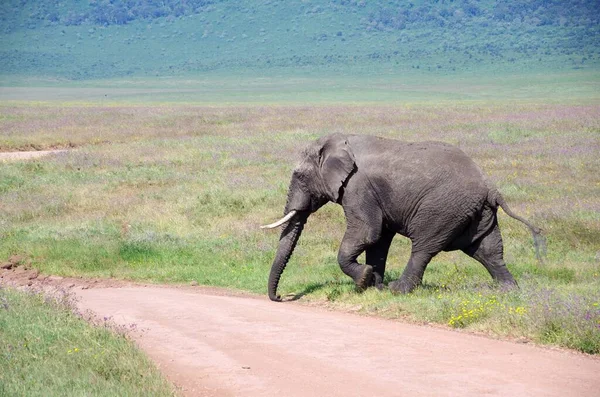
(355, 242)
(377, 256)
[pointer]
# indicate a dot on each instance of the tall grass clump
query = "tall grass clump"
(544, 314)
(567, 319)
(48, 349)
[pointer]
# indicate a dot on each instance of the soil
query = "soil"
(214, 342)
(15, 156)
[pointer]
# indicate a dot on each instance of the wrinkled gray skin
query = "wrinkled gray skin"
(430, 192)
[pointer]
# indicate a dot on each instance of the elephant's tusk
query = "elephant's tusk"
(281, 221)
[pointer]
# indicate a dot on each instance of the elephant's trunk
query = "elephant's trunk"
(287, 243)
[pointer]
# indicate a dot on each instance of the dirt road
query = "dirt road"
(213, 344)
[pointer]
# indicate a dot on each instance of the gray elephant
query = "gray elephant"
(430, 192)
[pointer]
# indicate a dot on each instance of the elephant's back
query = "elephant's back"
(430, 160)
(416, 179)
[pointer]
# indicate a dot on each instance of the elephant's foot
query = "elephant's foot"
(365, 279)
(377, 281)
(402, 286)
(507, 283)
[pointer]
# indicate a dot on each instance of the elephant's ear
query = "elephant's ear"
(337, 163)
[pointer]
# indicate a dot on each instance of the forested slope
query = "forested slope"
(98, 39)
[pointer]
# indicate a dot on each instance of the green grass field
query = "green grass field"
(286, 87)
(48, 350)
(172, 191)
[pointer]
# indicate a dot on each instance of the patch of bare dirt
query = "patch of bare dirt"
(16, 156)
(17, 272)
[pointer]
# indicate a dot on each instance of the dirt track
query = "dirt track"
(214, 344)
(211, 342)
(15, 156)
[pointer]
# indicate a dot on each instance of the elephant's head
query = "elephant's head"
(319, 178)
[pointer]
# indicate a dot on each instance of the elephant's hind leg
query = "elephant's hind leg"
(413, 272)
(488, 250)
(377, 256)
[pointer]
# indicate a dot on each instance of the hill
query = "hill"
(103, 39)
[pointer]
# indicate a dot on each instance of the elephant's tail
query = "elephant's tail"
(496, 199)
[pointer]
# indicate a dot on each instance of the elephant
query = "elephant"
(430, 192)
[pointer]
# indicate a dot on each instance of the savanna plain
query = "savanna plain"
(165, 191)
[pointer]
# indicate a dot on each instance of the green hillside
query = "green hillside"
(102, 38)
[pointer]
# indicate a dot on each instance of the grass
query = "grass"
(175, 193)
(48, 350)
(279, 86)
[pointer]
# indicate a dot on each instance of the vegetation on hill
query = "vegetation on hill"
(96, 39)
